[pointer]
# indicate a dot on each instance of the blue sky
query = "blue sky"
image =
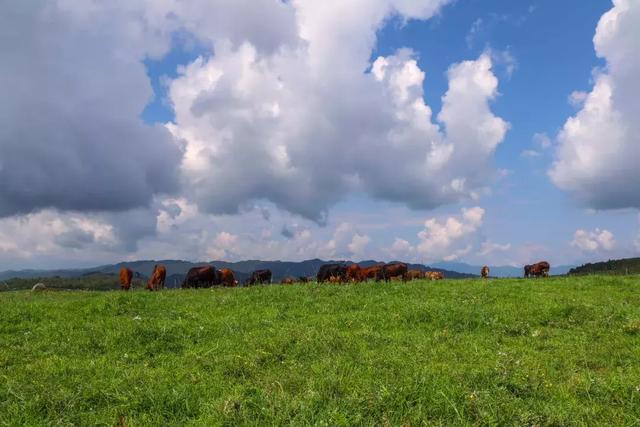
(202, 94)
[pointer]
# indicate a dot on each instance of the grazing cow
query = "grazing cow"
(434, 275)
(527, 270)
(354, 273)
(156, 281)
(331, 270)
(335, 279)
(484, 272)
(395, 269)
(414, 275)
(303, 279)
(259, 277)
(202, 277)
(374, 272)
(540, 269)
(227, 278)
(288, 281)
(126, 276)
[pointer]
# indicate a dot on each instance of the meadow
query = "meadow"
(557, 351)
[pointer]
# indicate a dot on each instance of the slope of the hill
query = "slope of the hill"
(558, 351)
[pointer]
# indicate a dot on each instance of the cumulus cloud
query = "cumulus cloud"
(358, 244)
(448, 239)
(307, 125)
(596, 159)
(438, 237)
(73, 86)
(50, 233)
(593, 241)
(488, 247)
(286, 108)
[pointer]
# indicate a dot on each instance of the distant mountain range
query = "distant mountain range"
(497, 271)
(176, 269)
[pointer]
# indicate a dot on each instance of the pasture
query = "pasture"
(557, 351)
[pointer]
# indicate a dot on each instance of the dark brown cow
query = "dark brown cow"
(327, 271)
(259, 277)
(484, 272)
(354, 273)
(395, 269)
(415, 275)
(288, 281)
(201, 277)
(540, 269)
(227, 278)
(126, 276)
(156, 281)
(374, 272)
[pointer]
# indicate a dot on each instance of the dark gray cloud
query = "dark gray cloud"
(74, 239)
(73, 88)
(286, 232)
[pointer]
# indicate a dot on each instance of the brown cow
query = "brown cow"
(354, 273)
(394, 269)
(228, 279)
(126, 275)
(434, 275)
(484, 272)
(415, 275)
(374, 272)
(156, 281)
(201, 277)
(288, 281)
(540, 269)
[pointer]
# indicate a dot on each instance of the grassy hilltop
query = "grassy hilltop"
(559, 351)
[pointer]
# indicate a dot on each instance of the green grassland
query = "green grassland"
(557, 351)
(96, 282)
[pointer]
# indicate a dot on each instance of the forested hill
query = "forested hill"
(614, 267)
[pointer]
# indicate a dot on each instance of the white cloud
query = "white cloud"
(593, 241)
(530, 153)
(577, 98)
(542, 140)
(81, 237)
(488, 247)
(285, 109)
(596, 159)
(476, 27)
(358, 244)
(505, 58)
(293, 125)
(446, 239)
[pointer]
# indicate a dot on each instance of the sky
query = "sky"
(481, 131)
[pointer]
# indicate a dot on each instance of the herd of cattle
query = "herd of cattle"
(208, 276)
